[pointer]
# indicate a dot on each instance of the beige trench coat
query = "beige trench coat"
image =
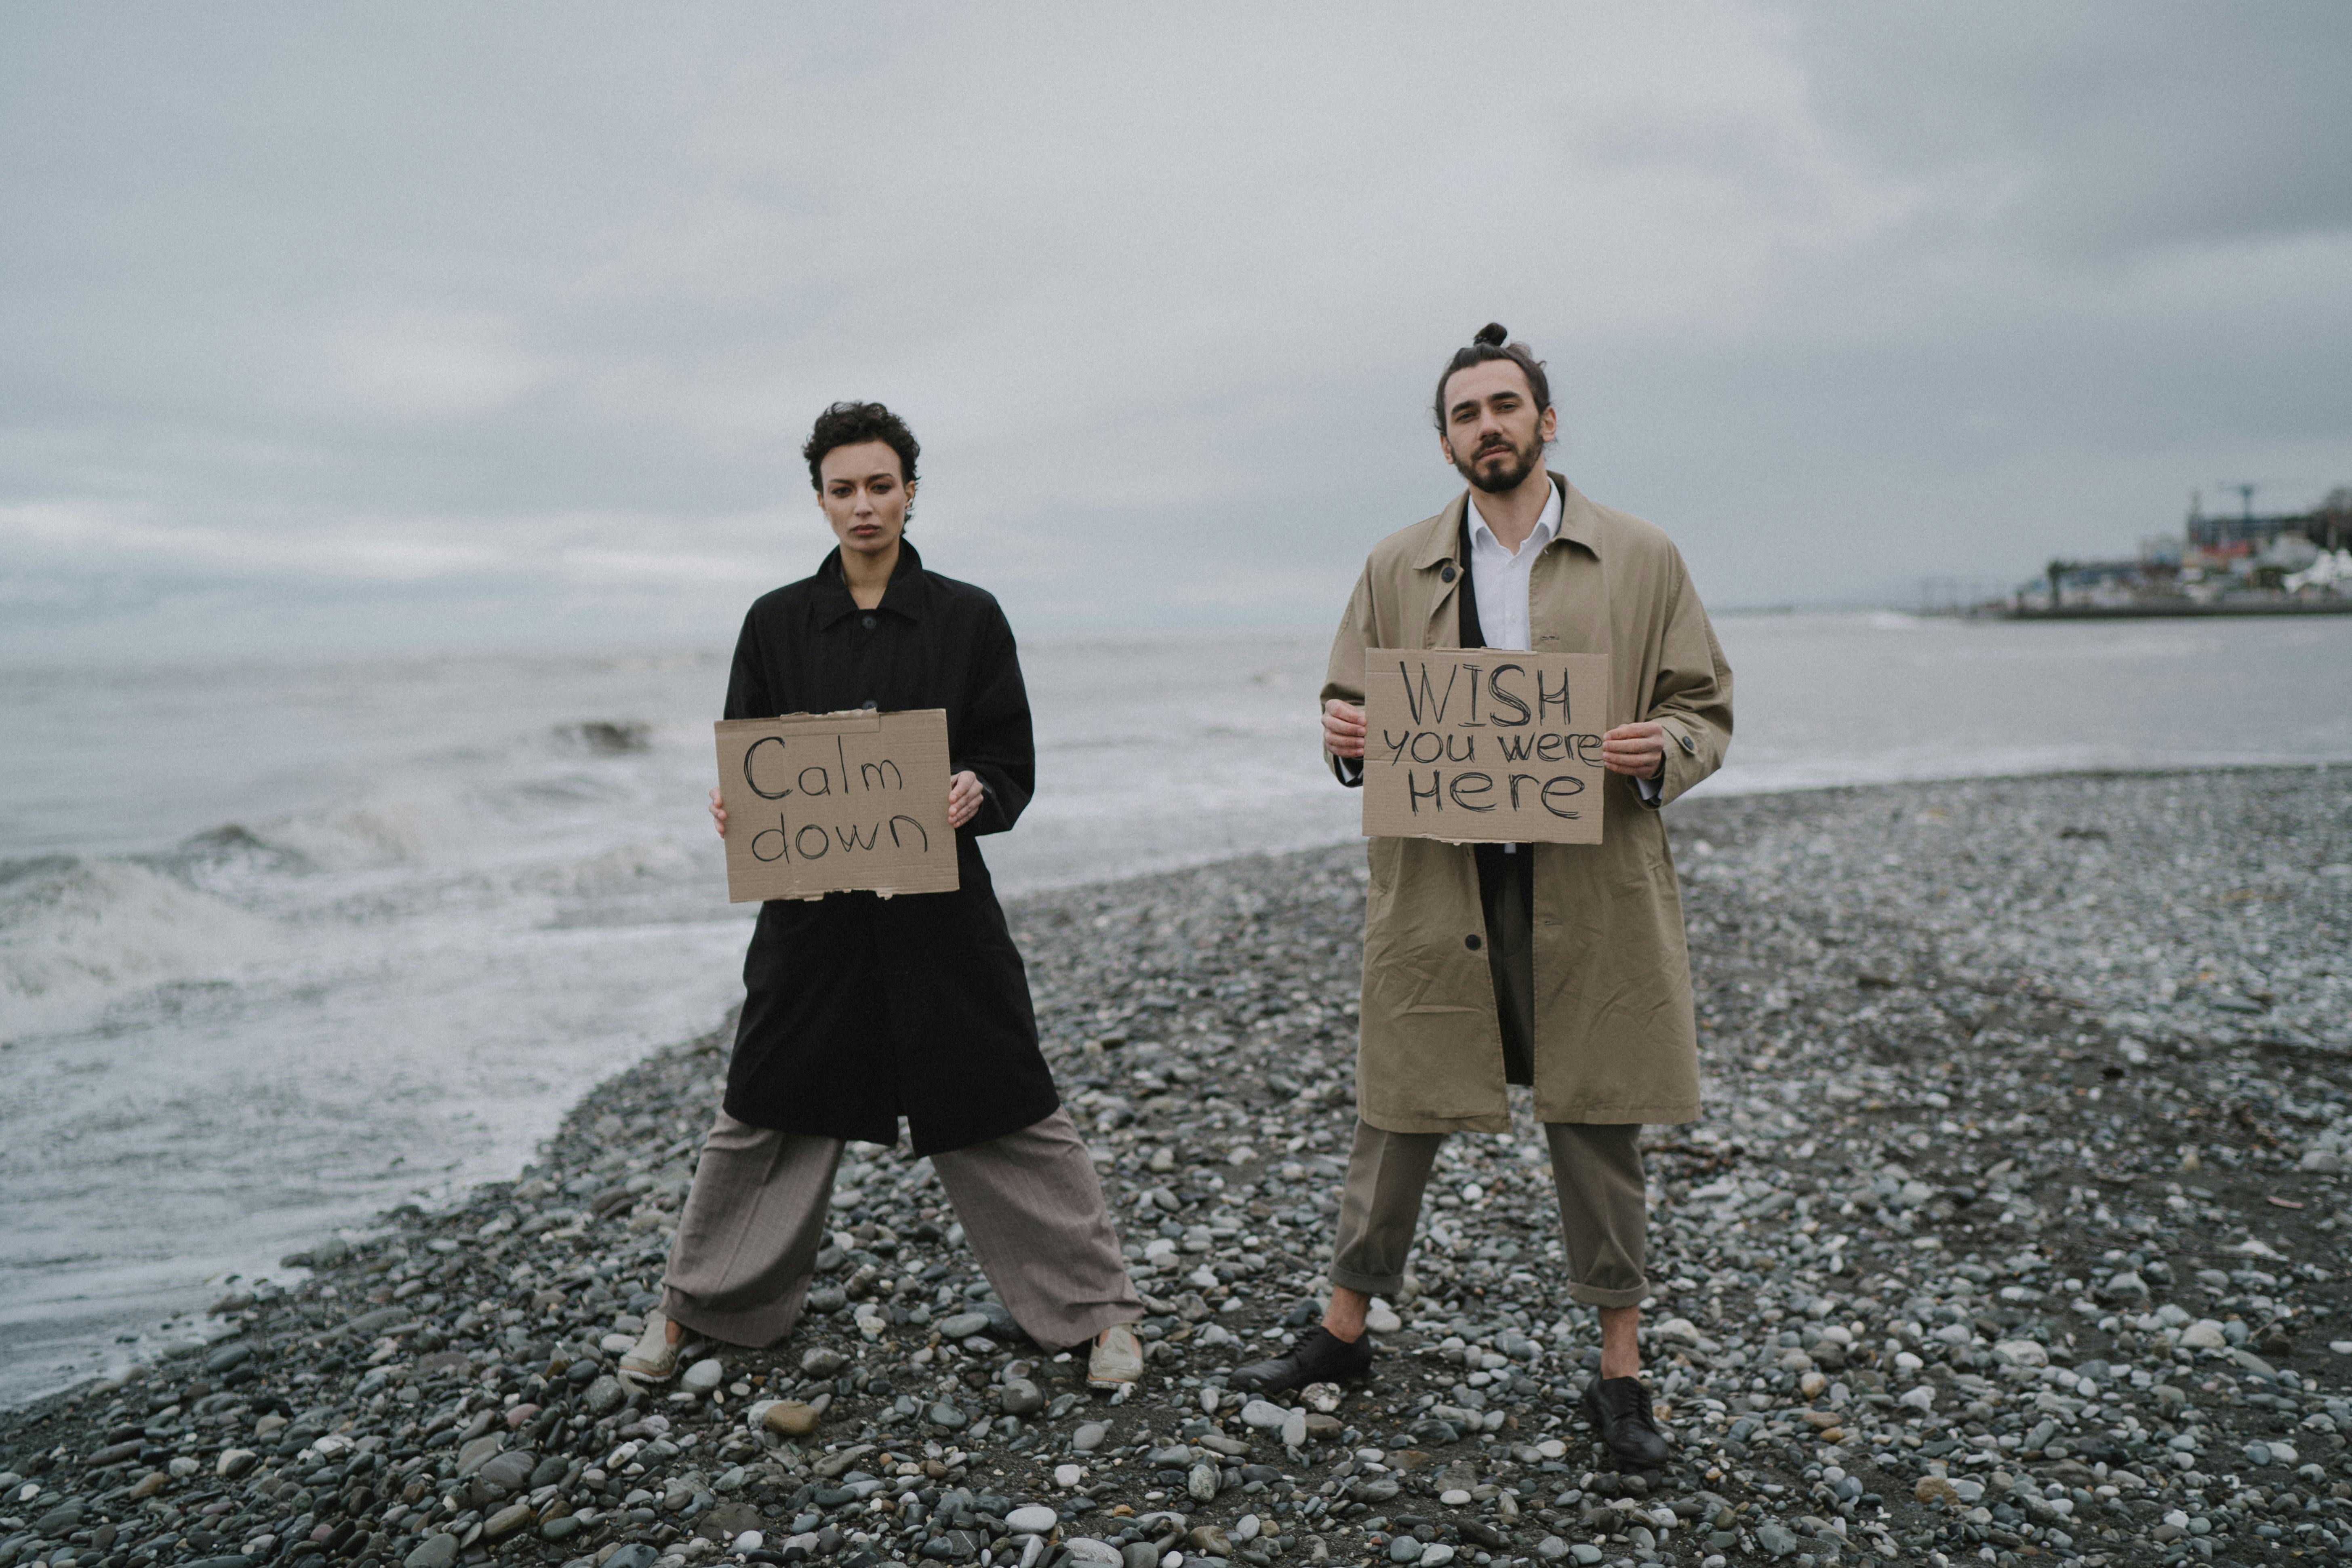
(1615, 1039)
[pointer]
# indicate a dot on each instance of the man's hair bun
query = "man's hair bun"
(1493, 342)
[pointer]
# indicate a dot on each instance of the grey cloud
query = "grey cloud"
(520, 313)
(2106, 127)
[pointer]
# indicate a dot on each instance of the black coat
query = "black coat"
(859, 1010)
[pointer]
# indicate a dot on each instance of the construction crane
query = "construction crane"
(2245, 494)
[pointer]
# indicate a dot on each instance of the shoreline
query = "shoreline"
(1888, 1063)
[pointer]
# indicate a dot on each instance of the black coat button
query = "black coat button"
(1446, 572)
(869, 623)
(869, 705)
(1473, 943)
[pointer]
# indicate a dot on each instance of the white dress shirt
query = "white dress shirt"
(1501, 576)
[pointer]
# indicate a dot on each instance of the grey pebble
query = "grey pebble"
(435, 1552)
(2126, 1286)
(510, 1470)
(603, 1396)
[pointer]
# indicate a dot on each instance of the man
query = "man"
(860, 1010)
(1559, 966)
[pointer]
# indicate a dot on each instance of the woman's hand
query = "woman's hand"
(718, 812)
(964, 798)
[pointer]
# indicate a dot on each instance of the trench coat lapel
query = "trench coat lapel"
(1442, 625)
(1568, 591)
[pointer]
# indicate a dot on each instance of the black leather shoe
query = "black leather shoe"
(1319, 1356)
(1619, 1409)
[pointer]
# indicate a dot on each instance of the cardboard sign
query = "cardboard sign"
(828, 803)
(1484, 745)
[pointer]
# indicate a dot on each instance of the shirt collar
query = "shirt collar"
(1546, 522)
(902, 596)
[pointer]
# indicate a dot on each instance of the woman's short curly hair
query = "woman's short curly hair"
(853, 424)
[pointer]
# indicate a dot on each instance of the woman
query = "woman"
(859, 1010)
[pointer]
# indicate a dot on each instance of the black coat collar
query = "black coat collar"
(903, 596)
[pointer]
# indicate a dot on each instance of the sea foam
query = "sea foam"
(78, 933)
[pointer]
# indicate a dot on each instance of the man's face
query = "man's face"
(865, 500)
(1494, 431)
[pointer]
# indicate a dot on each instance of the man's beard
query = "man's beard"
(1510, 476)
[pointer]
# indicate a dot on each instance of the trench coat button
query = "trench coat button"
(869, 623)
(1473, 943)
(1446, 572)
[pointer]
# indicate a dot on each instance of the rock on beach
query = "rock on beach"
(2015, 1222)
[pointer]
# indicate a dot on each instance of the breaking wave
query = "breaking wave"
(76, 934)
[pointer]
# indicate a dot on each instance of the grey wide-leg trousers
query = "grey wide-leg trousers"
(1030, 1202)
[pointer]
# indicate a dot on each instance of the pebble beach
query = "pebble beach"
(2014, 1231)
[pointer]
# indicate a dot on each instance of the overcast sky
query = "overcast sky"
(345, 325)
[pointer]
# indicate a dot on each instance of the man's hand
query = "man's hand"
(964, 798)
(1343, 728)
(1637, 751)
(718, 812)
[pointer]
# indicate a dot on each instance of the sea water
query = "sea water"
(284, 944)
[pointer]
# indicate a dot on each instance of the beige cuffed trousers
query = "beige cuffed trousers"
(1596, 1172)
(1031, 1206)
(1596, 1167)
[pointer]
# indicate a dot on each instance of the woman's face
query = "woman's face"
(864, 497)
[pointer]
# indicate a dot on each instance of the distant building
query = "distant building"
(2327, 526)
(2247, 564)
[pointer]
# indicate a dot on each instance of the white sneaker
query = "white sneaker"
(1117, 1360)
(653, 1359)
